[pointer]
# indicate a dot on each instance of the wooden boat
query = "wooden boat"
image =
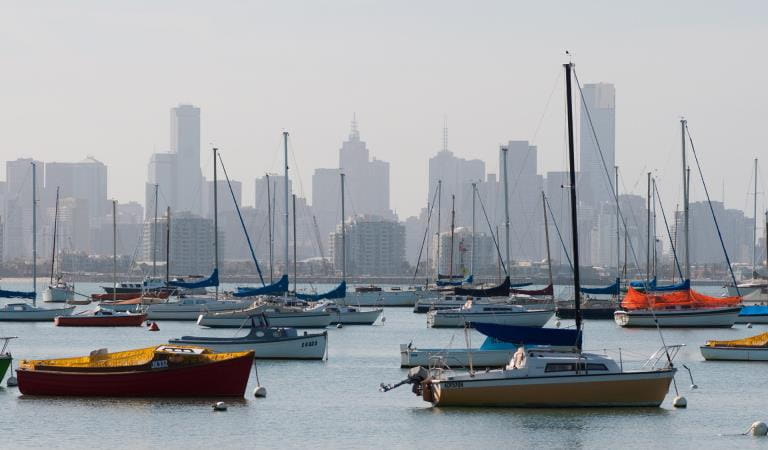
(102, 317)
(161, 371)
(754, 348)
(491, 313)
(5, 356)
(266, 341)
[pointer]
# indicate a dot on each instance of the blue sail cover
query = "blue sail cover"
(339, 291)
(213, 280)
(653, 286)
(467, 280)
(519, 285)
(278, 288)
(612, 289)
(501, 290)
(16, 294)
(530, 335)
(640, 284)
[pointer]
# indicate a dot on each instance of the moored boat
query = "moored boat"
(24, 312)
(190, 308)
(5, 356)
(753, 314)
(753, 348)
(59, 292)
(101, 317)
(680, 309)
(161, 371)
(279, 316)
(491, 313)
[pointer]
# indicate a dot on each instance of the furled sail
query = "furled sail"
(16, 294)
(211, 281)
(549, 290)
(278, 288)
(530, 335)
(501, 290)
(612, 289)
(339, 291)
(455, 282)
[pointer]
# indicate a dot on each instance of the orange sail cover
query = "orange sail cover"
(685, 298)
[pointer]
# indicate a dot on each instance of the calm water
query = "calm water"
(336, 403)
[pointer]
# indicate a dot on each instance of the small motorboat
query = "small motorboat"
(160, 371)
(350, 315)
(5, 356)
(499, 313)
(754, 348)
(266, 341)
(24, 312)
(101, 317)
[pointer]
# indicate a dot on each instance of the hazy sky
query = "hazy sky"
(98, 78)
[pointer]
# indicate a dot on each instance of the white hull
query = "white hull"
(176, 311)
(413, 357)
(301, 347)
(750, 294)
(691, 318)
(35, 315)
(404, 298)
(354, 317)
(734, 353)
(534, 318)
(237, 319)
(58, 295)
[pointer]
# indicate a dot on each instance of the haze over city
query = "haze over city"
(93, 78)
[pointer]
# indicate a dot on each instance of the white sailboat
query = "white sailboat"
(58, 290)
(24, 312)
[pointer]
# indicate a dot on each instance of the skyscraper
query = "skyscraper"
(18, 207)
(84, 180)
(185, 143)
(599, 105)
(162, 172)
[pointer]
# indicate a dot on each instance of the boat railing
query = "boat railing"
(663, 357)
(6, 340)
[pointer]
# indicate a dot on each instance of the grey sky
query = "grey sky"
(98, 78)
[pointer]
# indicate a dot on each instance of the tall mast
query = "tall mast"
(216, 215)
(439, 207)
(754, 229)
(546, 239)
(114, 250)
(269, 226)
(453, 227)
(618, 226)
(167, 245)
(472, 262)
(55, 229)
(154, 239)
(34, 232)
(295, 267)
(648, 236)
(504, 151)
(653, 223)
(687, 270)
(343, 235)
(285, 158)
(574, 222)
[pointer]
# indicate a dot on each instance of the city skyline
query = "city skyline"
(489, 96)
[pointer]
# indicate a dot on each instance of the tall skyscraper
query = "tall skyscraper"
(600, 106)
(326, 199)
(185, 143)
(84, 180)
(375, 246)
(162, 172)
(18, 207)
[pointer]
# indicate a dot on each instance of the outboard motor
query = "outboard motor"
(416, 376)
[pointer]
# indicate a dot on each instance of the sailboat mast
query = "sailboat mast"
(546, 240)
(618, 225)
(439, 208)
(216, 215)
(168, 245)
(343, 235)
(504, 151)
(574, 222)
(154, 239)
(34, 232)
(687, 272)
(648, 236)
(114, 250)
(453, 227)
(295, 267)
(285, 159)
(269, 226)
(754, 229)
(655, 235)
(472, 262)
(55, 229)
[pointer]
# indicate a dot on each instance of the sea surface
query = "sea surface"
(337, 404)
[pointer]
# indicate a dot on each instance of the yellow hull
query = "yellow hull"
(625, 389)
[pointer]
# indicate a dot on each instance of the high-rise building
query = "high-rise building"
(161, 173)
(225, 203)
(326, 199)
(191, 250)
(596, 162)
(375, 246)
(18, 207)
(185, 143)
(485, 258)
(85, 180)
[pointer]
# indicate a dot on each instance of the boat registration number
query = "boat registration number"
(452, 384)
(309, 344)
(160, 364)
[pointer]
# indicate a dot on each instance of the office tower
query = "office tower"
(85, 180)
(18, 207)
(485, 258)
(185, 144)
(161, 172)
(375, 246)
(191, 250)
(599, 105)
(226, 204)
(326, 199)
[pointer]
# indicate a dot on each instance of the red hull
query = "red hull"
(128, 296)
(134, 320)
(227, 378)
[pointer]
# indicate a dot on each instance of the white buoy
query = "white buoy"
(758, 429)
(383, 319)
(694, 386)
(557, 324)
(339, 325)
(680, 402)
(220, 406)
(12, 382)
(260, 392)
(749, 325)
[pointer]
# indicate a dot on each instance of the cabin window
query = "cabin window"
(571, 367)
(559, 367)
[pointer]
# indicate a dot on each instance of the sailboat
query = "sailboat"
(549, 376)
(682, 308)
(58, 290)
(24, 311)
(5, 356)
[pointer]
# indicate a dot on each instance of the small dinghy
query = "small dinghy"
(754, 348)
(101, 317)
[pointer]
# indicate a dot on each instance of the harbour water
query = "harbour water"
(336, 403)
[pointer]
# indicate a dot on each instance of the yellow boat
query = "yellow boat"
(753, 348)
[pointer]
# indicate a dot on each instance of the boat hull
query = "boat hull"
(586, 313)
(171, 311)
(620, 389)
(749, 294)
(734, 353)
(133, 320)
(309, 347)
(427, 357)
(58, 295)
(384, 298)
(753, 314)
(39, 315)
(5, 362)
(701, 318)
(460, 320)
(355, 317)
(226, 378)
(299, 320)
